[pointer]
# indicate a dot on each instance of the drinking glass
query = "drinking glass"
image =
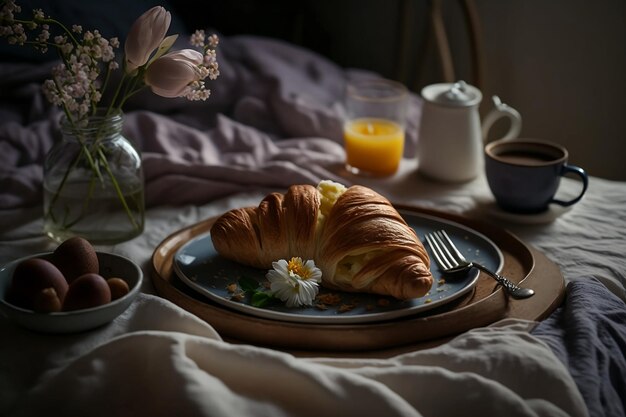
(374, 126)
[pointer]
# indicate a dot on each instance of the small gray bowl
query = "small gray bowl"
(111, 265)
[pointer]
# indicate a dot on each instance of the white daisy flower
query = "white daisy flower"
(295, 282)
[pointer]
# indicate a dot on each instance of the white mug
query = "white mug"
(451, 138)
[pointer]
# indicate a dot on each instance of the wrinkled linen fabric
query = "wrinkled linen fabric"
(159, 360)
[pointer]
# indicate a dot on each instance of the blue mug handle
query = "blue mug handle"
(583, 176)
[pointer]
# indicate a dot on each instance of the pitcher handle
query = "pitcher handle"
(502, 110)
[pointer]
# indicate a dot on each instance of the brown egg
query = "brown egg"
(46, 301)
(76, 257)
(118, 287)
(31, 277)
(87, 291)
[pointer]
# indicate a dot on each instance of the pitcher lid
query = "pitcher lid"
(458, 94)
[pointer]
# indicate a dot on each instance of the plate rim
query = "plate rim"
(376, 317)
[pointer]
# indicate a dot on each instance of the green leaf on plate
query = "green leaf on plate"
(261, 299)
(248, 284)
(257, 298)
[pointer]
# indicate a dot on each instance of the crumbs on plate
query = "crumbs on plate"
(329, 299)
(221, 274)
(344, 308)
(236, 294)
(383, 302)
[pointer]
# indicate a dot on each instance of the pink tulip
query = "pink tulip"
(145, 35)
(170, 75)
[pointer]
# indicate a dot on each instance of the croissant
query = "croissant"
(355, 236)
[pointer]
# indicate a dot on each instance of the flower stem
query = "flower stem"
(132, 93)
(85, 206)
(64, 28)
(55, 197)
(116, 94)
(80, 140)
(120, 195)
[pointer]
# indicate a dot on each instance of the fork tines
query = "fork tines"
(444, 250)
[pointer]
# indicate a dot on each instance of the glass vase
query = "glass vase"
(93, 183)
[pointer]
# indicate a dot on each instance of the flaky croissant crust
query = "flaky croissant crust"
(362, 227)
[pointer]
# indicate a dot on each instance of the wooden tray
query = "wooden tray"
(484, 305)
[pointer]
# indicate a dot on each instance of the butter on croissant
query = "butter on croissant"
(355, 236)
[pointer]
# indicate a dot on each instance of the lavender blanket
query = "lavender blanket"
(274, 119)
(588, 333)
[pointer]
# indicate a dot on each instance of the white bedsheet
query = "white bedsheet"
(159, 360)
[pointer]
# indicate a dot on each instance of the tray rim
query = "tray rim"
(367, 336)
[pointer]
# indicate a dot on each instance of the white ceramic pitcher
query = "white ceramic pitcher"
(451, 139)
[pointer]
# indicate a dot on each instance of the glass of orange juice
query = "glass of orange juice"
(374, 127)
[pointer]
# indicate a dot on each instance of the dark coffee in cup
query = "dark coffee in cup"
(524, 174)
(525, 158)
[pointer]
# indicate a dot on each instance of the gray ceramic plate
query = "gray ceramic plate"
(204, 270)
(111, 265)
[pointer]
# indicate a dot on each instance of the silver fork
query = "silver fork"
(451, 260)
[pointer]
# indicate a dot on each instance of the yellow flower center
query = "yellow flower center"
(296, 266)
